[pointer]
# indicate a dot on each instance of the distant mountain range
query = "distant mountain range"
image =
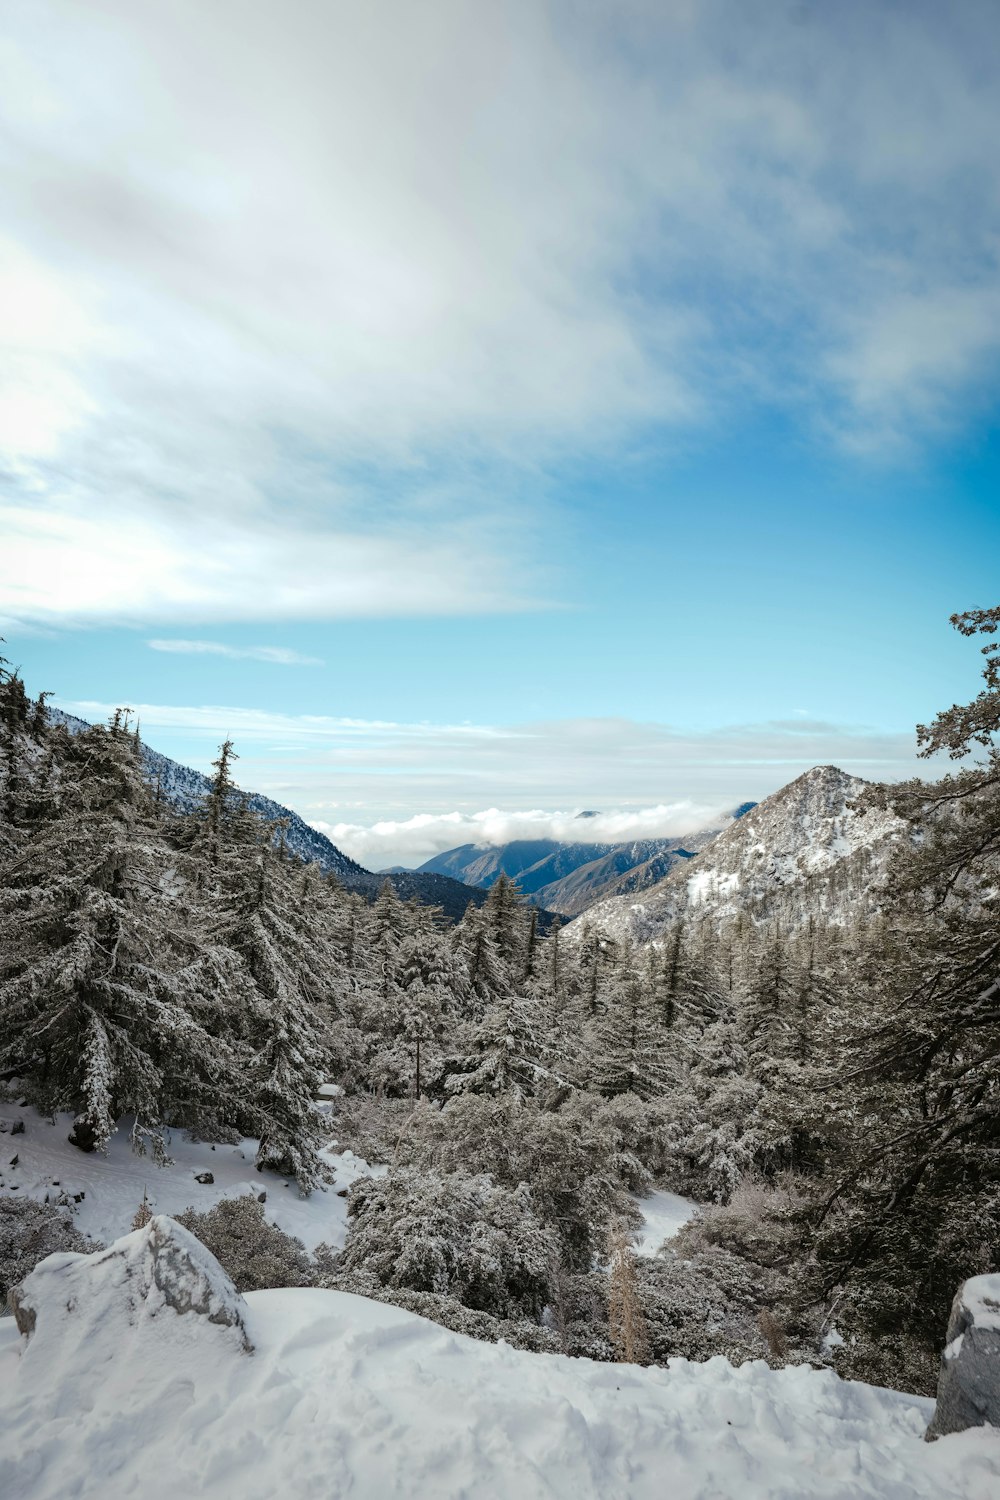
(569, 877)
(805, 851)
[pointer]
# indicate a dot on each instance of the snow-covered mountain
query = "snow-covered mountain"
(805, 851)
(184, 788)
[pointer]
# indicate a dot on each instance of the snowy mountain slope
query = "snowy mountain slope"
(184, 788)
(625, 867)
(802, 852)
(343, 1396)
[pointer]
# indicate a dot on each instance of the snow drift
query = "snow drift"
(344, 1396)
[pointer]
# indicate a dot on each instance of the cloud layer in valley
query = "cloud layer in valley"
(302, 308)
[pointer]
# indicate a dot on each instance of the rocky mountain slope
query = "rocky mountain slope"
(805, 851)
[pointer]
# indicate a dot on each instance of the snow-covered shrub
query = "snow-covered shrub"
(642, 1149)
(371, 1126)
(28, 1233)
(255, 1254)
(568, 1158)
(762, 1222)
(708, 1305)
(462, 1237)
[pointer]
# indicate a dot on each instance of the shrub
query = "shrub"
(254, 1254)
(462, 1237)
(28, 1233)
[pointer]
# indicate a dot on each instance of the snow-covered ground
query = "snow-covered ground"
(112, 1185)
(348, 1397)
(663, 1214)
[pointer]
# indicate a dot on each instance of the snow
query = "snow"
(348, 1397)
(113, 1185)
(707, 884)
(981, 1297)
(662, 1214)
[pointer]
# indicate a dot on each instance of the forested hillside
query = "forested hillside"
(827, 1087)
(184, 790)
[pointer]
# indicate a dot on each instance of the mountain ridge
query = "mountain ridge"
(568, 876)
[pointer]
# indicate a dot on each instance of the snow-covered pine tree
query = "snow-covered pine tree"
(628, 1041)
(290, 990)
(110, 1004)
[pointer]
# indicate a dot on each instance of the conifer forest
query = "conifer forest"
(821, 1078)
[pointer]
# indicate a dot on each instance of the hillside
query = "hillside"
(803, 853)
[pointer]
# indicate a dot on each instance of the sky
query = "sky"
(482, 413)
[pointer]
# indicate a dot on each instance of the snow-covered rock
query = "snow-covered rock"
(969, 1383)
(123, 1303)
(804, 852)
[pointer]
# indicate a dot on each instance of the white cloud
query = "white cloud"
(303, 309)
(278, 655)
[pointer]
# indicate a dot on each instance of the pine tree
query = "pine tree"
(628, 1049)
(914, 1207)
(107, 999)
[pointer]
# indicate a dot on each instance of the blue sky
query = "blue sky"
(492, 412)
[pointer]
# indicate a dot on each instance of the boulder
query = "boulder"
(157, 1283)
(968, 1393)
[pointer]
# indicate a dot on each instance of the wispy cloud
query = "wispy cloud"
(280, 656)
(299, 331)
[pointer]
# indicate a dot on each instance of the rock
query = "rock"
(15, 1159)
(204, 1177)
(968, 1393)
(17, 1128)
(262, 1197)
(83, 1135)
(128, 1298)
